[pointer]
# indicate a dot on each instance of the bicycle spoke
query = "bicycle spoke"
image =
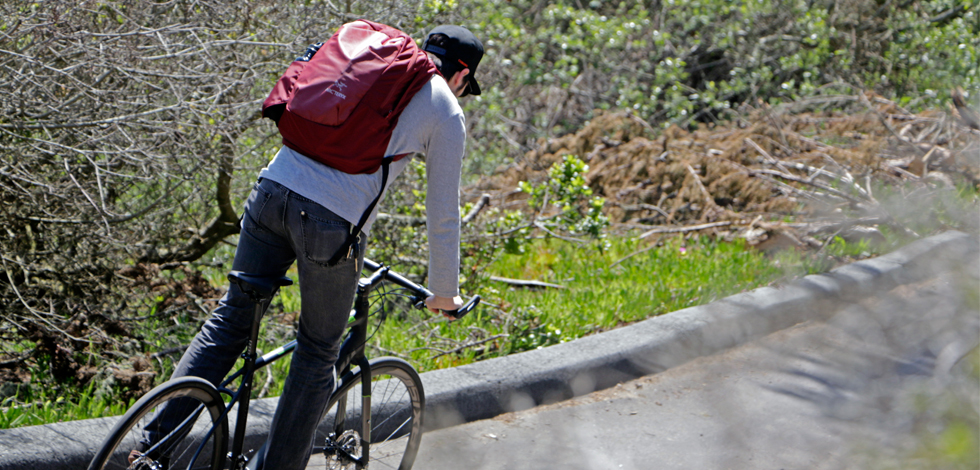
(395, 420)
(181, 440)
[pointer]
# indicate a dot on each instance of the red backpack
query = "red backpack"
(339, 103)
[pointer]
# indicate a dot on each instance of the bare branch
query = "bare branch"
(689, 228)
(526, 283)
(480, 205)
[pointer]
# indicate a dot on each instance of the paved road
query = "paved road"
(858, 391)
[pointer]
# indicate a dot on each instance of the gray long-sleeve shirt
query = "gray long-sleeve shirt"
(433, 125)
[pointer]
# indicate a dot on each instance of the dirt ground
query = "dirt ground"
(791, 172)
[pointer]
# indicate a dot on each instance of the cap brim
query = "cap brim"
(473, 88)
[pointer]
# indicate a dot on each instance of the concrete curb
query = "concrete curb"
(486, 389)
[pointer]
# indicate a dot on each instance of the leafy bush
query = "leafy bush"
(567, 191)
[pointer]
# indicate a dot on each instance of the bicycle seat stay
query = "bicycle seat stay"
(258, 287)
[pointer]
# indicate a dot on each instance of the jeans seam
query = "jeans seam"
(301, 197)
(285, 207)
(256, 215)
(338, 223)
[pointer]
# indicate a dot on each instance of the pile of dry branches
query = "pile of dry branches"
(800, 173)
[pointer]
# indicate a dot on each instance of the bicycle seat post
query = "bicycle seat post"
(260, 290)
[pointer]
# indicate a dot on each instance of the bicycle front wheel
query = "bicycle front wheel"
(197, 439)
(397, 402)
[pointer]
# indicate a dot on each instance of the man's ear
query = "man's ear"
(456, 83)
(460, 75)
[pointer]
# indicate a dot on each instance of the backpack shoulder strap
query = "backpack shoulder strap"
(350, 246)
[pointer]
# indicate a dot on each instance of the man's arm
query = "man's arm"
(444, 156)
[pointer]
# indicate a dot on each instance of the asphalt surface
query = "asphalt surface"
(862, 390)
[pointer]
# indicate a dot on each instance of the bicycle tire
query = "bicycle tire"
(397, 404)
(131, 428)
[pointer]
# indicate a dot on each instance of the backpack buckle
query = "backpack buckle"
(352, 246)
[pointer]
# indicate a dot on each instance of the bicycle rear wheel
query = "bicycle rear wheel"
(176, 449)
(397, 403)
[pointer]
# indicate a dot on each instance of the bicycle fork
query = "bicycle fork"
(365, 411)
(338, 442)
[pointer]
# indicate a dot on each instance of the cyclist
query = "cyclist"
(302, 211)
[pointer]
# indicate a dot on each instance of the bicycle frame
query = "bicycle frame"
(352, 352)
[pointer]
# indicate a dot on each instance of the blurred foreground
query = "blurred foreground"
(890, 382)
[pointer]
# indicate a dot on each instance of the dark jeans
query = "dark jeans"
(280, 227)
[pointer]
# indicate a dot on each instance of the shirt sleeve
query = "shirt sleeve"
(444, 158)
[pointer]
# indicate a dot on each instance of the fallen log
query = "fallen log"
(526, 283)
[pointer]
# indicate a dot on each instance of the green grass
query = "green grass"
(31, 406)
(603, 289)
(623, 282)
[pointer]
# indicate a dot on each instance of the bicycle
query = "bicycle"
(388, 436)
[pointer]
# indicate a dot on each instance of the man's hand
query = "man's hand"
(437, 303)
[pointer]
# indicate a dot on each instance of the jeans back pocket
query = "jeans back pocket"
(322, 237)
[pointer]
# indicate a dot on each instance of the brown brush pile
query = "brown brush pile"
(816, 168)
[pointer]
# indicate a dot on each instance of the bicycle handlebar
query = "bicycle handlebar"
(420, 293)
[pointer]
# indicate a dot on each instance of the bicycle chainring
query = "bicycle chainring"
(144, 462)
(342, 452)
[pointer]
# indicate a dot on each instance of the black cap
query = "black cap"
(462, 51)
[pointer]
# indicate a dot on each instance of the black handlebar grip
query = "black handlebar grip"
(462, 311)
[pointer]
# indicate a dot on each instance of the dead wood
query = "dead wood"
(776, 163)
(963, 112)
(526, 283)
(471, 344)
(685, 229)
(483, 203)
(806, 181)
